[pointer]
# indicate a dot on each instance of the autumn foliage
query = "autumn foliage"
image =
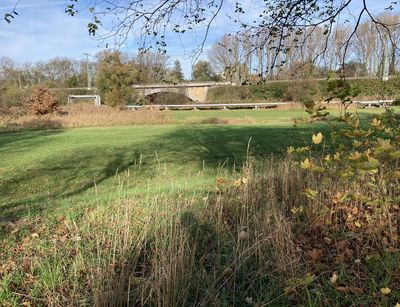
(42, 101)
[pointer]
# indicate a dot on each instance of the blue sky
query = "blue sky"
(43, 31)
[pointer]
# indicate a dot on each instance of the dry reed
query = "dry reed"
(84, 115)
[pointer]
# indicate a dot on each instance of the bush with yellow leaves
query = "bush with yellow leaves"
(357, 176)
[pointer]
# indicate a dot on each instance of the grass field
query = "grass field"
(40, 169)
(48, 177)
(43, 168)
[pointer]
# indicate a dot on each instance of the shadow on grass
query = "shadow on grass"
(53, 180)
(36, 123)
(41, 187)
(19, 138)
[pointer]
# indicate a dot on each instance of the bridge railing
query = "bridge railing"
(374, 103)
(181, 84)
(204, 106)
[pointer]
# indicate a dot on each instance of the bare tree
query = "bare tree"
(152, 66)
(226, 57)
(283, 24)
(390, 38)
(365, 47)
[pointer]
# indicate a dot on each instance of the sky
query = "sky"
(43, 31)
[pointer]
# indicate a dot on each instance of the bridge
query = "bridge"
(195, 91)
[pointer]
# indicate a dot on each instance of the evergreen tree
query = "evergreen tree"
(177, 73)
(115, 77)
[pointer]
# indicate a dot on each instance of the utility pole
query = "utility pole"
(89, 76)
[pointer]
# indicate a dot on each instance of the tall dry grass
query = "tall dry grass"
(83, 115)
(202, 250)
(236, 246)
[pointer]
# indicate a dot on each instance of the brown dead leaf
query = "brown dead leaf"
(315, 254)
(357, 291)
(348, 252)
(339, 259)
(392, 250)
(385, 241)
(342, 245)
(220, 181)
(342, 289)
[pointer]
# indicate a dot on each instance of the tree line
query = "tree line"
(67, 72)
(343, 50)
(369, 49)
(111, 72)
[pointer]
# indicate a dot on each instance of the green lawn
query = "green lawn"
(51, 176)
(261, 116)
(268, 117)
(42, 169)
(45, 169)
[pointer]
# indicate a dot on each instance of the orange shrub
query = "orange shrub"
(42, 101)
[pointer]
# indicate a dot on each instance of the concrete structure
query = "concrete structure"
(195, 91)
(374, 103)
(97, 99)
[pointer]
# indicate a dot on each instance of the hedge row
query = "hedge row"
(297, 91)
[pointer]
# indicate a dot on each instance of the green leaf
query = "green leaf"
(371, 164)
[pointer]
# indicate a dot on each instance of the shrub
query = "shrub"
(276, 90)
(343, 91)
(358, 174)
(42, 101)
(297, 91)
(303, 90)
(165, 98)
(396, 102)
(317, 111)
(230, 93)
(114, 96)
(11, 97)
(377, 88)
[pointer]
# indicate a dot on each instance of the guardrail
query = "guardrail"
(181, 85)
(374, 103)
(207, 106)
